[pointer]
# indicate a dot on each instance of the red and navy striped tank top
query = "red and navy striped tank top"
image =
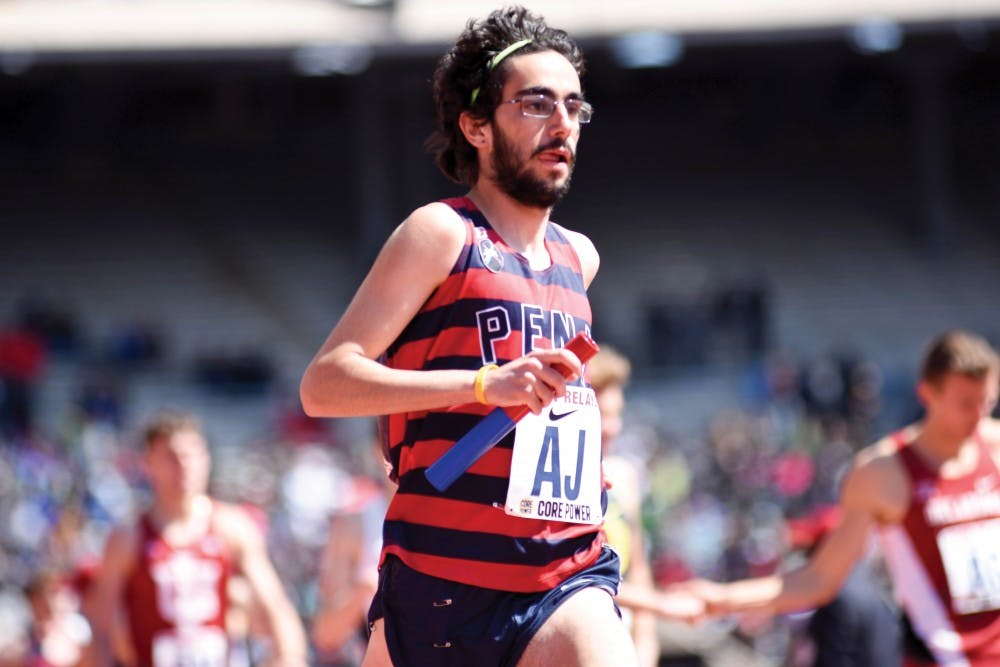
(492, 308)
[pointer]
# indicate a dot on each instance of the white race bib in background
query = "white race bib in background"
(191, 647)
(971, 556)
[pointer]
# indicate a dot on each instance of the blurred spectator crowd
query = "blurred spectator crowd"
(717, 504)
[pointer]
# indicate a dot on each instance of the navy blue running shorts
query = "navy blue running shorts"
(432, 622)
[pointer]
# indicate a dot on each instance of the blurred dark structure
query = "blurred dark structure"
(731, 187)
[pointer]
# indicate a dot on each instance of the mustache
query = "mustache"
(556, 144)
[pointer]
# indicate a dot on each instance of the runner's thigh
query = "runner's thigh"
(377, 653)
(585, 631)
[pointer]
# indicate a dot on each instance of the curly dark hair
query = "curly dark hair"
(465, 67)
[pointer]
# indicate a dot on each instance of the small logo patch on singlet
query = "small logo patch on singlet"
(489, 253)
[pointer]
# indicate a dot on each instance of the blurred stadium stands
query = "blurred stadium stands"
(838, 184)
(809, 184)
(777, 187)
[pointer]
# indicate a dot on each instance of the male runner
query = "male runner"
(162, 582)
(468, 306)
(932, 492)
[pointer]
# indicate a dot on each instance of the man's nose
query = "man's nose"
(562, 119)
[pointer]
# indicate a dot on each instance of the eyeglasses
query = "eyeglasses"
(543, 106)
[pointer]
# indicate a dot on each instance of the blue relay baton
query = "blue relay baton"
(493, 427)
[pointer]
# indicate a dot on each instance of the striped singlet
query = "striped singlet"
(492, 308)
(944, 558)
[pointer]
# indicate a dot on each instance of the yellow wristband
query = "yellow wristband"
(480, 377)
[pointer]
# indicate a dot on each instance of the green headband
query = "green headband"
(496, 60)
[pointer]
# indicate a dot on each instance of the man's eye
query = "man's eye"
(536, 105)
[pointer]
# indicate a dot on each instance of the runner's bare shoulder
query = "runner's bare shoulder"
(436, 222)
(121, 547)
(990, 429)
(232, 516)
(878, 479)
(590, 260)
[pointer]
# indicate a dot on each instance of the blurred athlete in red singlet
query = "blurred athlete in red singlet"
(931, 491)
(162, 583)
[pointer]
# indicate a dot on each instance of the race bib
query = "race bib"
(555, 471)
(191, 647)
(971, 556)
(187, 588)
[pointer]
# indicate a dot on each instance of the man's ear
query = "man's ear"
(925, 392)
(477, 130)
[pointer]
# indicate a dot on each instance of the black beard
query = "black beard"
(518, 183)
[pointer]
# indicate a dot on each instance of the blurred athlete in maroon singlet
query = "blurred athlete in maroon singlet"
(162, 583)
(931, 491)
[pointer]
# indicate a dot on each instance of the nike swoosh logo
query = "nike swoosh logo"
(553, 415)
